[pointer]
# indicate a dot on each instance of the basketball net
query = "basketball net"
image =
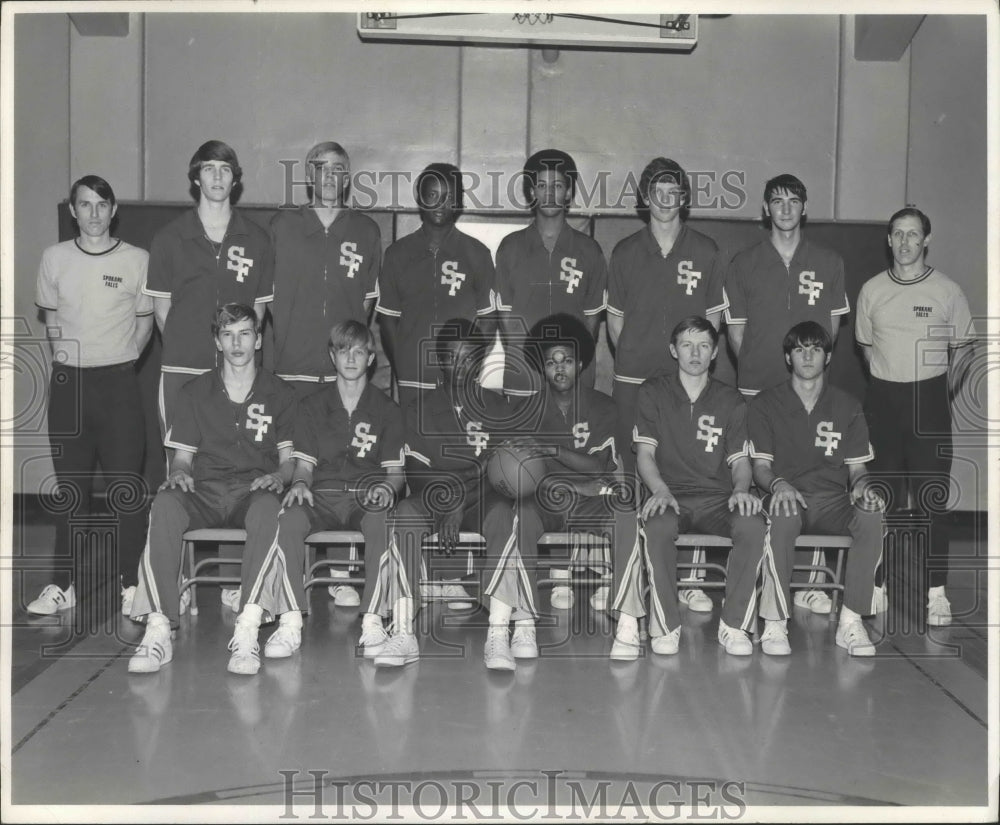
(533, 19)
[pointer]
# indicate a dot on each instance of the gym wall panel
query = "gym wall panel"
(41, 178)
(757, 96)
(273, 85)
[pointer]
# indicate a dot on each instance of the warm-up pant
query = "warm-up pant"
(212, 504)
(652, 559)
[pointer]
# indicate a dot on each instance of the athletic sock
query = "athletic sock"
(499, 613)
(371, 620)
(251, 614)
(847, 615)
(628, 623)
(291, 619)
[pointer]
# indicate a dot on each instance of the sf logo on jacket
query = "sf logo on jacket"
(581, 434)
(363, 440)
(708, 433)
(687, 276)
(451, 277)
(827, 437)
(238, 264)
(258, 421)
(475, 437)
(808, 285)
(350, 258)
(570, 274)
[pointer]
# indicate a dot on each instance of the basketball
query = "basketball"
(514, 472)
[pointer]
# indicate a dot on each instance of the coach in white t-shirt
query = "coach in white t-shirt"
(915, 330)
(98, 322)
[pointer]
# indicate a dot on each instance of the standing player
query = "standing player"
(576, 433)
(774, 284)
(692, 455)
(348, 474)
(809, 445)
(430, 276)
(98, 322)
(220, 476)
(449, 435)
(660, 275)
(546, 268)
(326, 265)
(916, 333)
(207, 257)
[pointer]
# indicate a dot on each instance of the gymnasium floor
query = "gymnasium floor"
(908, 727)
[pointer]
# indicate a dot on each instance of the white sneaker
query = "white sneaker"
(283, 642)
(562, 597)
(231, 598)
(695, 599)
(186, 598)
(599, 598)
(523, 644)
(401, 649)
(53, 599)
(667, 645)
(734, 640)
(246, 650)
(881, 600)
(854, 638)
(774, 639)
(626, 646)
(155, 649)
(497, 653)
(458, 597)
(938, 608)
(128, 596)
(373, 639)
(815, 600)
(343, 595)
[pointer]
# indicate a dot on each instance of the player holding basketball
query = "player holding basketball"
(450, 432)
(660, 275)
(809, 445)
(546, 268)
(348, 475)
(209, 256)
(220, 476)
(575, 432)
(692, 456)
(916, 333)
(773, 285)
(326, 264)
(98, 322)
(430, 276)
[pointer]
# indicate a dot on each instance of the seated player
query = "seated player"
(449, 435)
(430, 276)
(809, 445)
(576, 433)
(218, 478)
(348, 474)
(692, 456)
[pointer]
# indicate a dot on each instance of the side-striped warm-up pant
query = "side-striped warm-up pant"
(652, 559)
(212, 504)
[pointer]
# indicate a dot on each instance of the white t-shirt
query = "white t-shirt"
(909, 325)
(96, 297)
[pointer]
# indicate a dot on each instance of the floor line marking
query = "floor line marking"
(55, 711)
